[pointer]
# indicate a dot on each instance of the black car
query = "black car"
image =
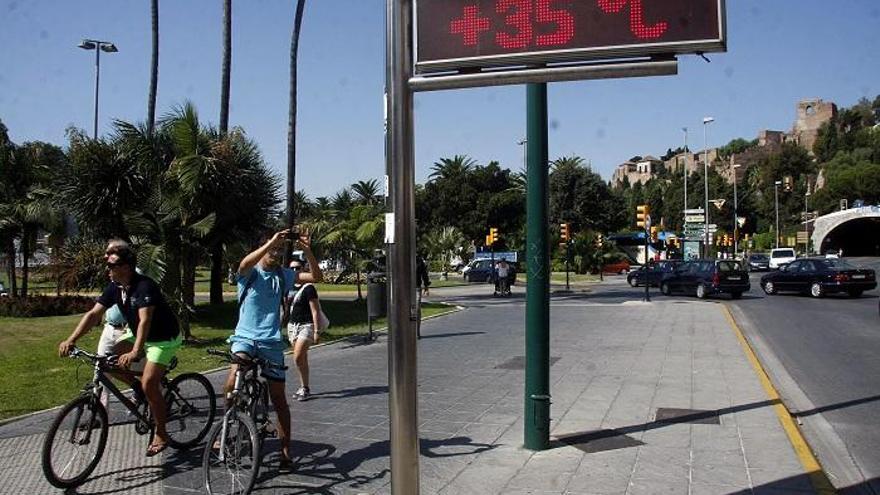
(758, 262)
(820, 276)
(653, 273)
(706, 277)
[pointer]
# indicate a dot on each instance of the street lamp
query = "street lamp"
(733, 167)
(706, 122)
(684, 211)
(523, 142)
(776, 193)
(98, 46)
(807, 216)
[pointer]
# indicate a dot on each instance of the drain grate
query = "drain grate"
(692, 416)
(597, 441)
(519, 363)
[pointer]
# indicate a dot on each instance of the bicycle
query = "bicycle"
(232, 459)
(76, 440)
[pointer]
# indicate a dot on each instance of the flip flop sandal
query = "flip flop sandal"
(156, 449)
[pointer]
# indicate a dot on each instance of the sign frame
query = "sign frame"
(569, 55)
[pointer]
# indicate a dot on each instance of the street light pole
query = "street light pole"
(524, 143)
(706, 122)
(807, 217)
(733, 168)
(776, 194)
(98, 46)
(684, 210)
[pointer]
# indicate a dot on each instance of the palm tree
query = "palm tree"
(443, 244)
(154, 66)
(226, 67)
(291, 114)
(366, 192)
(457, 166)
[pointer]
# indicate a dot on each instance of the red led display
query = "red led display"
(456, 34)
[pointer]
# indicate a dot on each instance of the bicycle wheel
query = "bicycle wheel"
(235, 469)
(191, 408)
(75, 442)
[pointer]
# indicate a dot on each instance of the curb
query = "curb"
(818, 477)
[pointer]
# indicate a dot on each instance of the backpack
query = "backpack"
(323, 321)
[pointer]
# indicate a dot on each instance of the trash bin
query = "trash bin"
(377, 296)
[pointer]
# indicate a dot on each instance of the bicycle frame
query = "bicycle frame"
(236, 397)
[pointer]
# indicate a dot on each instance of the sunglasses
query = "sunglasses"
(114, 265)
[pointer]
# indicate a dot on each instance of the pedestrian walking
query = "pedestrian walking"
(263, 284)
(304, 326)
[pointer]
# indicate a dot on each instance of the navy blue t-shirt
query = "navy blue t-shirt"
(143, 293)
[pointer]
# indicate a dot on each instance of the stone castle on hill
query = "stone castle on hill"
(811, 115)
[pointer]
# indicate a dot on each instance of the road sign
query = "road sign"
(695, 218)
(741, 221)
(694, 211)
(719, 203)
(802, 237)
(455, 34)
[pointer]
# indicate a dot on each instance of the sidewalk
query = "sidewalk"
(647, 399)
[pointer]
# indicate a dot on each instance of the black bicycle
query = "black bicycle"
(78, 436)
(232, 456)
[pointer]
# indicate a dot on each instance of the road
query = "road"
(824, 357)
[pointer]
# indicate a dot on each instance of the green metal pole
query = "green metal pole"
(537, 393)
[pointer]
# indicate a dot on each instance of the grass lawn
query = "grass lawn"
(33, 377)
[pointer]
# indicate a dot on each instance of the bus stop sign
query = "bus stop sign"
(455, 35)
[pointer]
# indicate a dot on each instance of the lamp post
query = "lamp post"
(807, 217)
(776, 194)
(98, 46)
(706, 122)
(733, 167)
(684, 211)
(523, 142)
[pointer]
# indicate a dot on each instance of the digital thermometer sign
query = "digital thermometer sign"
(462, 34)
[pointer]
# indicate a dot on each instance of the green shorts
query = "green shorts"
(157, 352)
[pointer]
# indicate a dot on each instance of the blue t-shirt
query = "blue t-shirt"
(259, 316)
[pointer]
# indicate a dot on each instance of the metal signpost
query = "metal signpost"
(448, 44)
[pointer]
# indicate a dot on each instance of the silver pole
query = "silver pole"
(684, 211)
(706, 122)
(402, 312)
(97, 83)
(735, 214)
(776, 194)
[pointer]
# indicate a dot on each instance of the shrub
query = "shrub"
(36, 306)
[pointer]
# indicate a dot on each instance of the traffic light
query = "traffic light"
(564, 232)
(488, 239)
(654, 232)
(493, 235)
(642, 216)
(599, 241)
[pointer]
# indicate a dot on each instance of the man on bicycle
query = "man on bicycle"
(263, 283)
(157, 332)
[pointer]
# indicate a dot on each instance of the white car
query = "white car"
(781, 256)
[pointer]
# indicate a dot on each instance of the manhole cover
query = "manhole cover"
(519, 363)
(597, 441)
(693, 416)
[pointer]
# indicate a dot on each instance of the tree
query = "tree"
(291, 113)
(154, 66)
(443, 244)
(580, 197)
(226, 67)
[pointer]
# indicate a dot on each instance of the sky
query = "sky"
(779, 52)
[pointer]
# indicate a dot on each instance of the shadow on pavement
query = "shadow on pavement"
(140, 476)
(839, 405)
(444, 335)
(351, 392)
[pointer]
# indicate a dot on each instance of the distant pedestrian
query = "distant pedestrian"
(422, 279)
(304, 327)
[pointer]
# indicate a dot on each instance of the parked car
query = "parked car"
(3, 292)
(653, 272)
(707, 277)
(781, 256)
(482, 270)
(758, 262)
(620, 267)
(820, 276)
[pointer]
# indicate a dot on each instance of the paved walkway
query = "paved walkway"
(647, 399)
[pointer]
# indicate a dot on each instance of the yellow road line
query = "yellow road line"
(811, 465)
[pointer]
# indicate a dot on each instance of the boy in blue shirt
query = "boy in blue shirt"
(262, 285)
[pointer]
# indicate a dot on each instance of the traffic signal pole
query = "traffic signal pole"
(537, 384)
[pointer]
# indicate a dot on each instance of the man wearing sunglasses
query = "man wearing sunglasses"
(153, 330)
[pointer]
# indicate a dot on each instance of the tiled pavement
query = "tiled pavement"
(615, 365)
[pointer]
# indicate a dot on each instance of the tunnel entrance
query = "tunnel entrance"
(858, 237)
